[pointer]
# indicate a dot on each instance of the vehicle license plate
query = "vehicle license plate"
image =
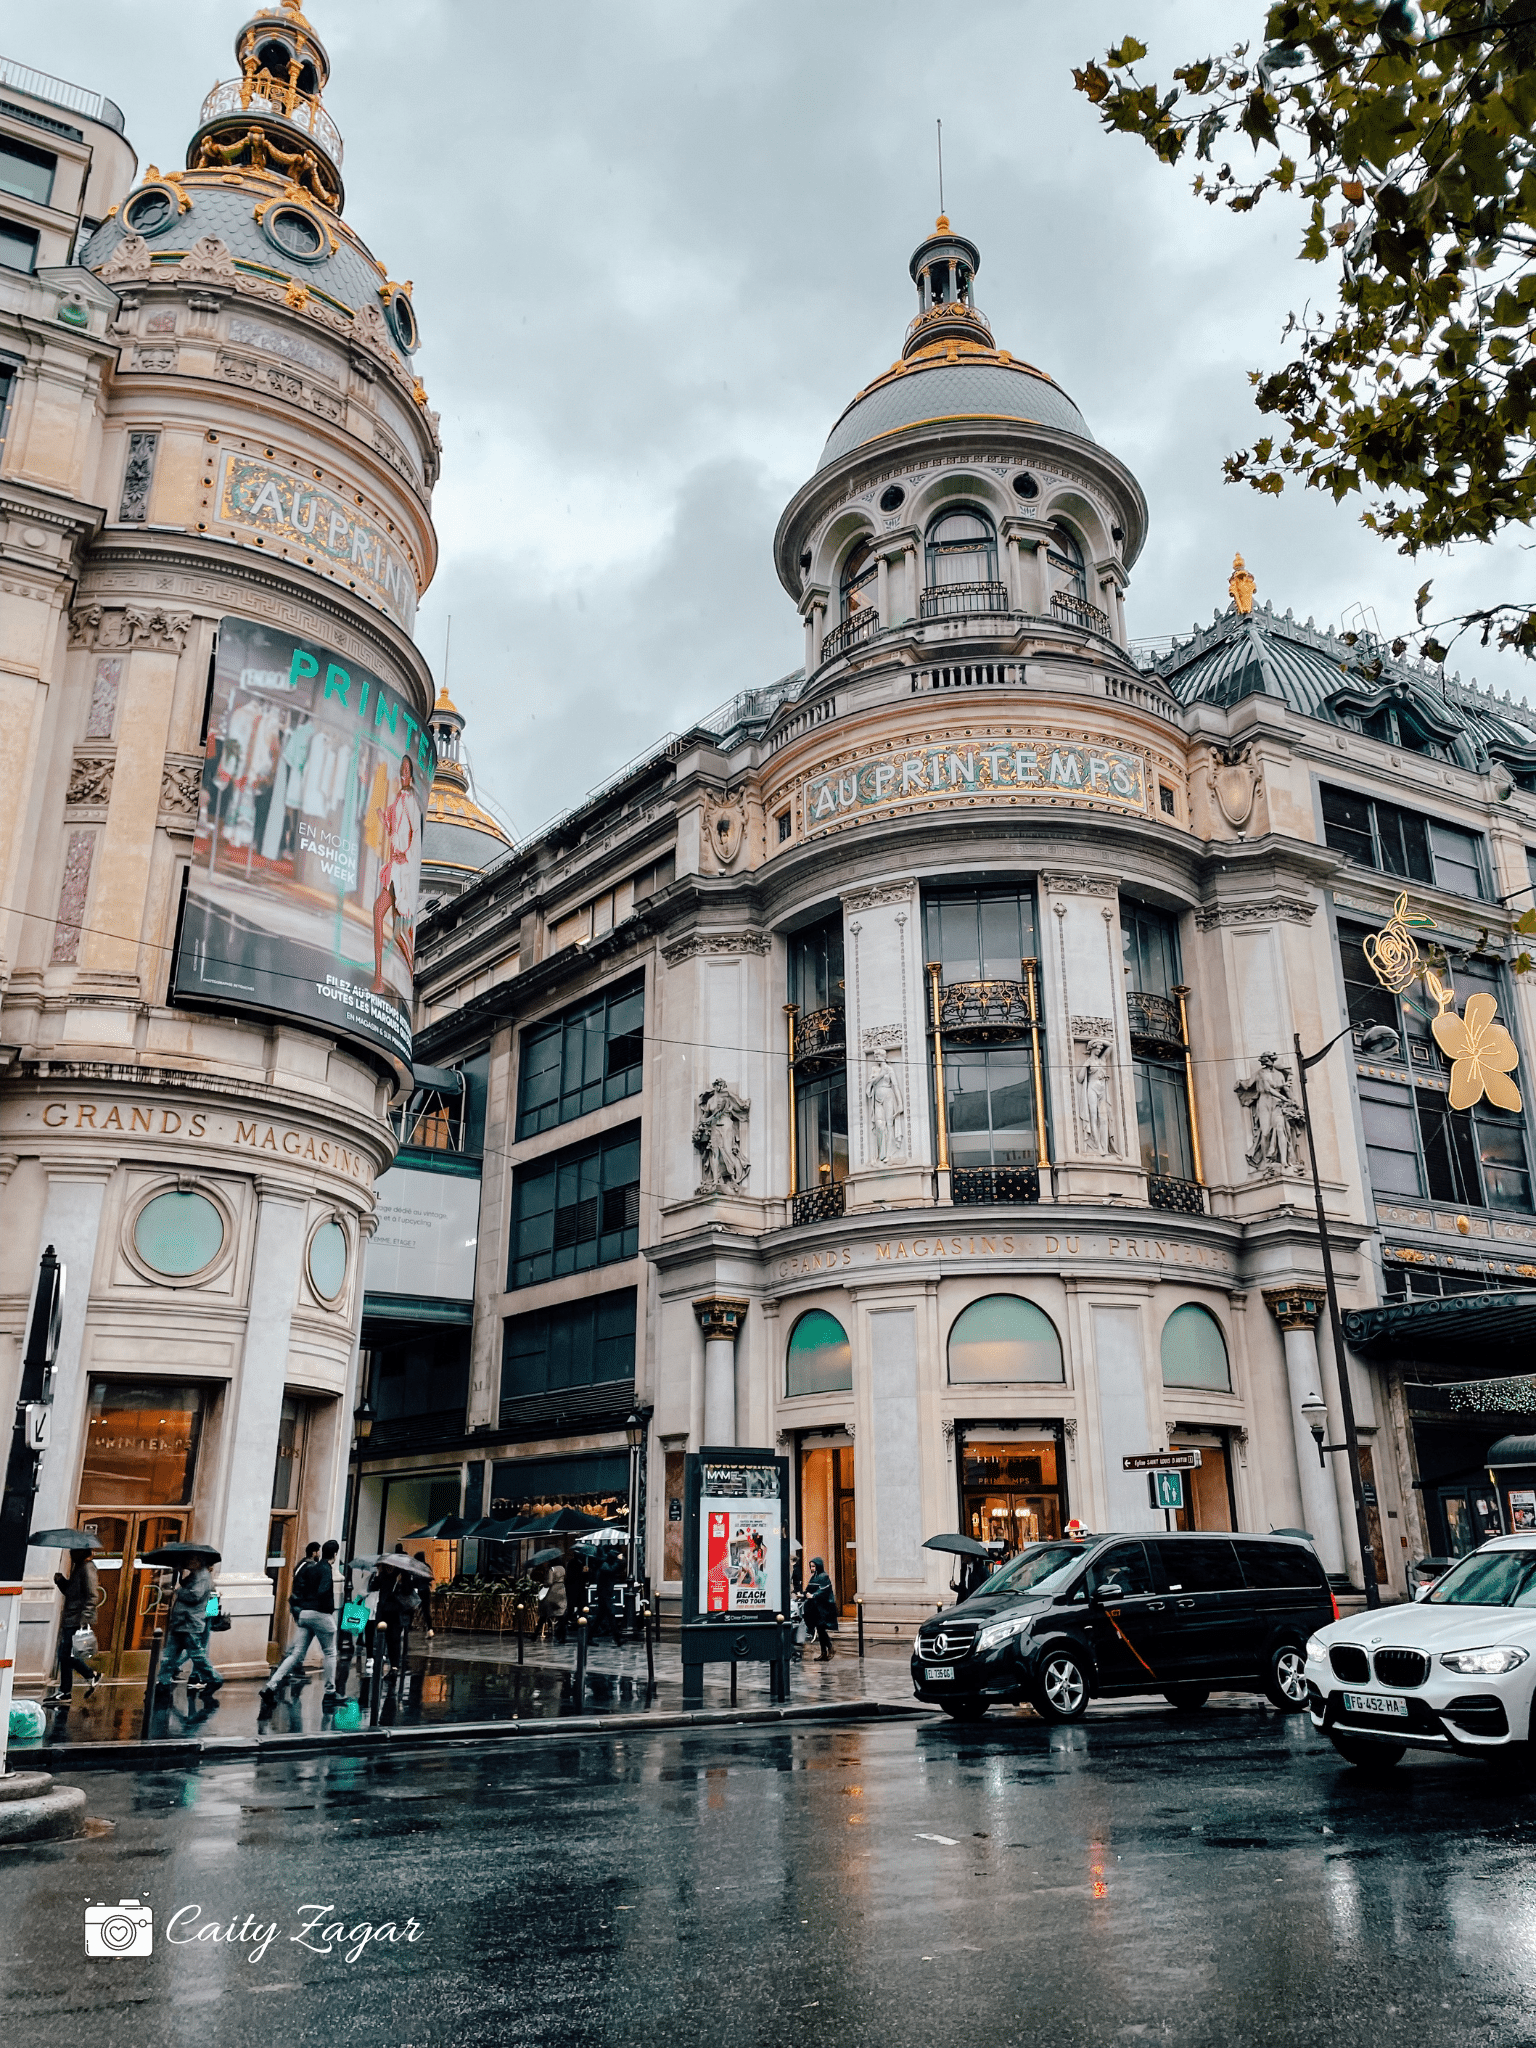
(934, 1672)
(1375, 1703)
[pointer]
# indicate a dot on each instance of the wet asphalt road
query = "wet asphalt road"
(1222, 1879)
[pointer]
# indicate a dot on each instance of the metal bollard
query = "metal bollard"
(519, 1631)
(581, 1661)
(859, 1603)
(151, 1675)
(376, 1679)
(733, 1684)
(650, 1654)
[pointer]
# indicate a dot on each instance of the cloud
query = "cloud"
(656, 248)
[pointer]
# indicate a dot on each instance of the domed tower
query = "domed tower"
(210, 991)
(461, 839)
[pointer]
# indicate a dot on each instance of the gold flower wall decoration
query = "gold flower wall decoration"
(1481, 1051)
(1393, 952)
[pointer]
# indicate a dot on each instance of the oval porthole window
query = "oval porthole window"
(893, 499)
(178, 1234)
(295, 232)
(402, 319)
(1025, 485)
(150, 212)
(820, 1356)
(1003, 1337)
(328, 1260)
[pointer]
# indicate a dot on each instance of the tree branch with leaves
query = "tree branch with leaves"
(1407, 131)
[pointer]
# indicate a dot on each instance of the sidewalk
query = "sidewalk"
(460, 1680)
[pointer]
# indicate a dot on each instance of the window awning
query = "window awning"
(1512, 1450)
(1460, 1337)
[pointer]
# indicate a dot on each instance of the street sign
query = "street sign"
(38, 1413)
(1166, 1489)
(1162, 1461)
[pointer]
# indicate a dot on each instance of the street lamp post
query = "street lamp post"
(636, 1430)
(1351, 1443)
(362, 1426)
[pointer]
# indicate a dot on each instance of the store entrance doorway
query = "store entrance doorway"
(1208, 1488)
(136, 1493)
(1010, 1488)
(828, 1521)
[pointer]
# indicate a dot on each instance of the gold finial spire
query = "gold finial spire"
(1241, 586)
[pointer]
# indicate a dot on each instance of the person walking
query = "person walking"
(314, 1604)
(399, 1606)
(821, 1606)
(610, 1606)
(576, 1584)
(82, 1596)
(554, 1603)
(186, 1632)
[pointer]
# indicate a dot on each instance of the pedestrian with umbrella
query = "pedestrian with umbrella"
(399, 1602)
(977, 1563)
(576, 1581)
(610, 1604)
(186, 1632)
(82, 1596)
(821, 1606)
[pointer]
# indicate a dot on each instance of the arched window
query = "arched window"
(1194, 1351)
(820, 1356)
(962, 548)
(1069, 576)
(1004, 1337)
(861, 573)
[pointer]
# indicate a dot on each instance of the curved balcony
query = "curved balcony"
(993, 1186)
(1156, 1031)
(1070, 610)
(267, 95)
(1181, 1197)
(850, 634)
(820, 1205)
(963, 600)
(984, 1012)
(820, 1039)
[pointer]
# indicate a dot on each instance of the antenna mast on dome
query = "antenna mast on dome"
(940, 126)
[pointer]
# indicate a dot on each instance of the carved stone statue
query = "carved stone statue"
(720, 1139)
(1274, 1116)
(887, 1110)
(1095, 1080)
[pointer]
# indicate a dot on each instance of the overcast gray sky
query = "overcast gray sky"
(657, 246)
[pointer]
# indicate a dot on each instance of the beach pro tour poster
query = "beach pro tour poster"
(302, 894)
(741, 1516)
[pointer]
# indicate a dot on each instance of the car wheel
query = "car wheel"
(965, 1710)
(1366, 1753)
(1285, 1679)
(1061, 1687)
(1187, 1699)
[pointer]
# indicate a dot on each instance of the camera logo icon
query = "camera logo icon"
(126, 1929)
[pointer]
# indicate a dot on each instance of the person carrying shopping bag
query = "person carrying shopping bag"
(313, 1602)
(82, 1596)
(187, 1631)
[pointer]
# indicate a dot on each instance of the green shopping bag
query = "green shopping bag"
(354, 1617)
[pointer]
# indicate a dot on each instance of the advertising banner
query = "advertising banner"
(740, 1559)
(424, 1244)
(305, 869)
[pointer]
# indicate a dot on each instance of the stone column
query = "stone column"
(1096, 1147)
(1296, 1310)
(890, 1152)
(71, 1223)
(883, 591)
(720, 1317)
(255, 1406)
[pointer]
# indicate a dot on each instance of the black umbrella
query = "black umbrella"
(564, 1521)
(444, 1530)
(552, 1556)
(181, 1553)
(962, 1546)
(66, 1539)
(360, 1564)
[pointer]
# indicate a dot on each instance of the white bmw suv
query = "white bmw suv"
(1454, 1671)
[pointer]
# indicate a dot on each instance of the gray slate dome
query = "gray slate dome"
(972, 390)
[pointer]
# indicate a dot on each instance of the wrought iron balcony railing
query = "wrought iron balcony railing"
(1156, 1028)
(851, 633)
(267, 95)
(1077, 611)
(821, 1036)
(821, 1205)
(1183, 1197)
(984, 1011)
(958, 600)
(976, 1185)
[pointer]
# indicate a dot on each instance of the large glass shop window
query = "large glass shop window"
(1010, 1487)
(821, 1072)
(141, 1444)
(981, 936)
(1416, 1145)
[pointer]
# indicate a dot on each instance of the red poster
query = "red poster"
(717, 1566)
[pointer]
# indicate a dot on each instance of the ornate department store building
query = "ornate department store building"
(898, 1067)
(214, 500)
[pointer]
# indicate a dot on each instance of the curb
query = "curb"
(174, 1754)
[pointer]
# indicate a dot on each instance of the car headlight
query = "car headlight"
(1004, 1631)
(1483, 1663)
(1317, 1650)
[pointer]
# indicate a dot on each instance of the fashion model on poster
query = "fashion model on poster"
(400, 832)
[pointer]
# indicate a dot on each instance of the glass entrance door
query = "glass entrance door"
(828, 1526)
(137, 1597)
(1010, 1489)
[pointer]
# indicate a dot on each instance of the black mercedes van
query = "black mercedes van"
(1114, 1616)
